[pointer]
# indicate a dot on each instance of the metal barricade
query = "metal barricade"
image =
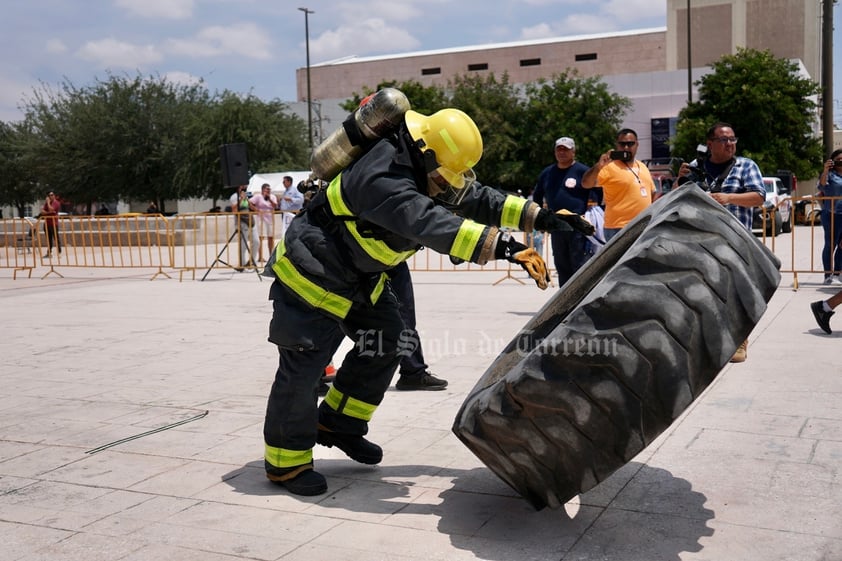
(121, 241)
(17, 245)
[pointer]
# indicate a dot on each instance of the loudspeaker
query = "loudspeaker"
(235, 167)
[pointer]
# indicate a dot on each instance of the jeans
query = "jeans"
(832, 226)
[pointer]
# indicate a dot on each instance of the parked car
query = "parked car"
(807, 210)
(664, 172)
(778, 199)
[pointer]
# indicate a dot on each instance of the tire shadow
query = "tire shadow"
(639, 513)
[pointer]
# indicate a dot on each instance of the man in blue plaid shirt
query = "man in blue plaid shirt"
(734, 182)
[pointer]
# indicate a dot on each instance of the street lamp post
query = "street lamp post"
(309, 98)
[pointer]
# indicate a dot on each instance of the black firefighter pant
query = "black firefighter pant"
(306, 340)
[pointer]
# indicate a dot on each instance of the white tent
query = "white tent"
(275, 181)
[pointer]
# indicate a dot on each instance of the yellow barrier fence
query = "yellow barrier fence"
(205, 242)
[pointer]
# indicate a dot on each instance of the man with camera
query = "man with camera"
(627, 186)
(733, 181)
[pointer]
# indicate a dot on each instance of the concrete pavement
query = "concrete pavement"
(99, 358)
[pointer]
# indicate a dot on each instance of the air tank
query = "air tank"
(375, 118)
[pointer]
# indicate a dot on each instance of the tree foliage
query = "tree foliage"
(569, 105)
(519, 126)
(771, 107)
(141, 138)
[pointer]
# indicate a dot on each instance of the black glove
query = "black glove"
(563, 220)
(515, 252)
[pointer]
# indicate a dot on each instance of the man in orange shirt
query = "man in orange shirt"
(627, 186)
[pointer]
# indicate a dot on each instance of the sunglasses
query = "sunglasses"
(628, 144)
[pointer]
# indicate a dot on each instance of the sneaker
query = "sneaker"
(425, 381)
(822, 317)
(355, 446)
(298, 480)
(837, 279)
(828, 280)
(46, 255)
(741, 354)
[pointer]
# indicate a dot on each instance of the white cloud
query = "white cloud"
(362, 37)
(112, 53)
(56, 47)
(12, 94)
(540, 31)
(169, 9)
(242, 39)
(386, 9)
(184, 78)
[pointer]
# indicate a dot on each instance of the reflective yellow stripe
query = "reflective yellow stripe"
(378, 289)
(284, 458)
(351, 407)
(448, 140)
(512, 211)
(376, 249)
(466, 240)
(312, 293)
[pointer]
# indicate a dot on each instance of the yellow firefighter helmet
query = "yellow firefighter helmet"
(450, 137)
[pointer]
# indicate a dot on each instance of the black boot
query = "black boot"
(298, 480)
(422, 381)
(355, 446)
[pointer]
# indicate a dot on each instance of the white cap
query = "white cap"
(565, 141)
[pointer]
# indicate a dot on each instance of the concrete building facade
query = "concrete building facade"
(649, 66)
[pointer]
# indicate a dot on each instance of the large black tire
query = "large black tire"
(621, 350)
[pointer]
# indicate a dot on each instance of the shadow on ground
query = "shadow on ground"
(639, 514)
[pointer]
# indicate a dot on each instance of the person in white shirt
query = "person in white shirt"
(291, 201)
(265, 203)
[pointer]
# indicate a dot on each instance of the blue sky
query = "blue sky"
(256, 45)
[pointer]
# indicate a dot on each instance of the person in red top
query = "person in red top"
(49, 212)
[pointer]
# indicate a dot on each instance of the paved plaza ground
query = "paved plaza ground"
(750, 472)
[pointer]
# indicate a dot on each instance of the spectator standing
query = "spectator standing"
(242, 208)
(291, 202)
(734, 182)
(559, 187)
(265, 203)
(413, 370)
(830, 185)
(627, 186)
(49, 212)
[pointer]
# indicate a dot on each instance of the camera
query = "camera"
(622, 155)
(307, 186)
(697, 173)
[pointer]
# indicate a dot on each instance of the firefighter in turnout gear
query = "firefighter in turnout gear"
(414, 187)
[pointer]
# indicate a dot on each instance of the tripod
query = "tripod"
(243, 244)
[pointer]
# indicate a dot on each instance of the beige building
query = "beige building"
(649, 66)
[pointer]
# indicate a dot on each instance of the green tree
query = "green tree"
(498, 112)
(519, 125)
(18, 186)
(274, 140)
(121, 138)
(769, 104)
(569, 105)
(145, 138)
(424, 99)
